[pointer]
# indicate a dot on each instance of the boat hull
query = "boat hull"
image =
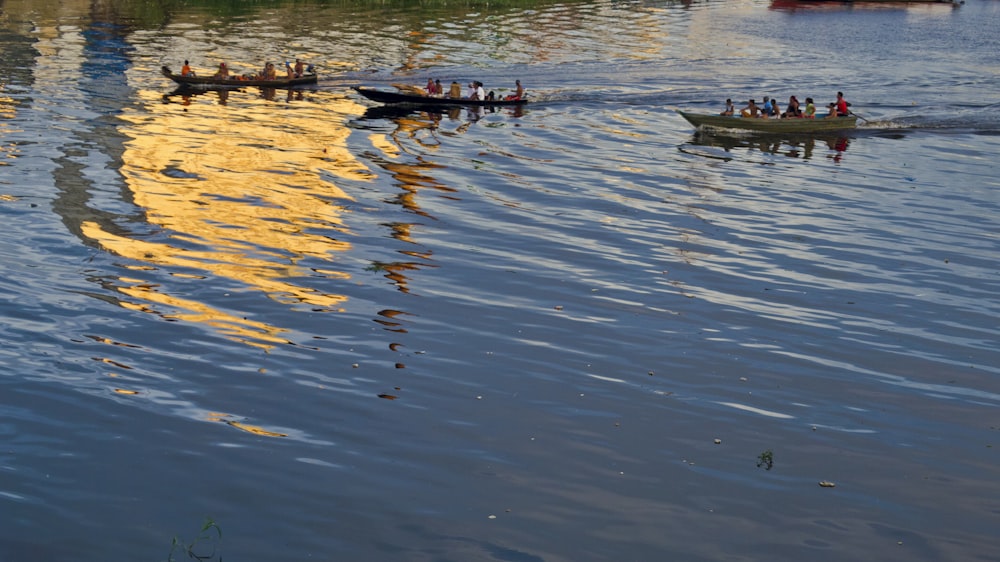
(211, 82)
(772, 125)
(387, 97)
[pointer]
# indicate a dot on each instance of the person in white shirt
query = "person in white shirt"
(476, 91)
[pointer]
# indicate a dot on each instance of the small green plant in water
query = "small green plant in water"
(210, 535)
(766, 459)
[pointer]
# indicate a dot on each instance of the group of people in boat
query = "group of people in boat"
(268, 72)
(772, 109)
(475, 91)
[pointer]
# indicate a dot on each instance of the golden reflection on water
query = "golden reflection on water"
(7, 111)
(255, 429)
(244, 191)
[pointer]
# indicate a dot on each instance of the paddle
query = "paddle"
(860, 117)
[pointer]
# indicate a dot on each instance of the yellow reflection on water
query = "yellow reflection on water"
(240, 187)
(7, 111)
(255, 429)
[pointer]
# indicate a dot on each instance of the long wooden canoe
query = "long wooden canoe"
(384, 96)
(771, 125)
(234, 82)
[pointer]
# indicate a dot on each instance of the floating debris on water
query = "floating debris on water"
(766, 460)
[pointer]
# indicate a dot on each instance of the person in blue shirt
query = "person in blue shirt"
(768, 108)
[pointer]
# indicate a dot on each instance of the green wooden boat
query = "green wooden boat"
(771, 125)
(236, 82)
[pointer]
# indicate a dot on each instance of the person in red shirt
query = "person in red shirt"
(842, 105)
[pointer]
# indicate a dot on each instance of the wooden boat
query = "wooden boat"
(383, 96)
(771, 125)
(793, 5)
(236, 82)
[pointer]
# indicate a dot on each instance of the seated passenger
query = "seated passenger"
(518, 91)
(842, 105)
(768, 107)
(810, 109)
(476, 91)
(793, 109)
(751, 110)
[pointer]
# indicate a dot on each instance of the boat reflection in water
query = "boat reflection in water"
(418, 130)
(186, 94)
(473, 113)
(793, 146)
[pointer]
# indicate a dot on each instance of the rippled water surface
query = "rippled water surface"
(572, 331)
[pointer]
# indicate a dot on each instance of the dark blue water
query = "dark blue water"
(565, 333)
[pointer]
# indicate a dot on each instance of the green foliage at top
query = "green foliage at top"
(151, 13)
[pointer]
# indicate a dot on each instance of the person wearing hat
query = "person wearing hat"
(223, 72)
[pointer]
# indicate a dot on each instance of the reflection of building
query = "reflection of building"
(242, 192)
(7, 111)
(241, 196)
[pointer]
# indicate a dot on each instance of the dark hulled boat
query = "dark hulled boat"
(384, 96)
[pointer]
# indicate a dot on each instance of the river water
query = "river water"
(578, 331)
